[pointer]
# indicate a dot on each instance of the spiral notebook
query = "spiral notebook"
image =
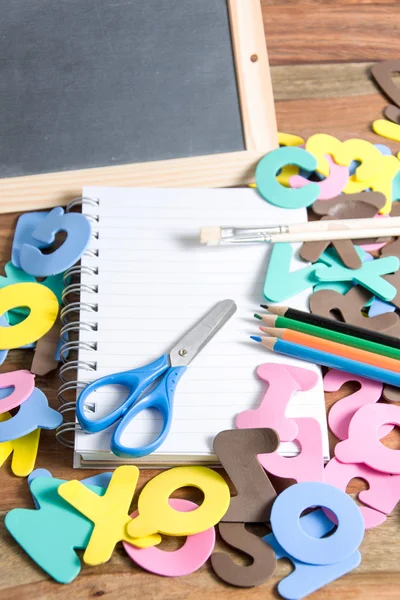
(144, 281)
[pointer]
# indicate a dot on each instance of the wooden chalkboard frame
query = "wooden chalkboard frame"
(218, 170)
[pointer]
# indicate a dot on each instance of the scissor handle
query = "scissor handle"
(161, 398)
(136, 380)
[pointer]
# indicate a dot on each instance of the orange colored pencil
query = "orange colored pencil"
(377, 360)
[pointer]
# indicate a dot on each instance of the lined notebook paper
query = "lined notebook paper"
(154, 282)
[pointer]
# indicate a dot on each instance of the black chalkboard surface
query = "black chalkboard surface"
(88, 84)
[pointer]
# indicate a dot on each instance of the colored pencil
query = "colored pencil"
(329, 334)
(376, 360)
(360, 332)
(329, 360)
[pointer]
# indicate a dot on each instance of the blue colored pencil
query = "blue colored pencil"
(329, 360)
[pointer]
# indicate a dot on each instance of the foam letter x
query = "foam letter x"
(369, 275)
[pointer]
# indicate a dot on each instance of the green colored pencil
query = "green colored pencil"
(328, 334)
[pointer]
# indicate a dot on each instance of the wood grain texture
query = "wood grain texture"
(333, 80)
(307, 32)
(37, 192)
(332, 98)
(343, 117)
(253, 77)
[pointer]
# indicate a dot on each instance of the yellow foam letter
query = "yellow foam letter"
(387, 129)
(43, 306)
(157, 515)
(24, 451)
(109, 513)
(381, 182)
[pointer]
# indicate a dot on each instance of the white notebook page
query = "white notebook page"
(154, 281)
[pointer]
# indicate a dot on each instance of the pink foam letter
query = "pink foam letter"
(306, 466)
(284, 381)
(384, 489)
(329, 187)
(190, 557)
(342, 412)
(363, 444)
(23, 383)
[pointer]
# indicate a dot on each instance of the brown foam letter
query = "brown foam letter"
(237, 451)
(391, 394)
(345, 206)
(382, 73)
(392, 113)
(44, 360)
(264, 561)
(393, 248)
(311, 251)
(325, 302)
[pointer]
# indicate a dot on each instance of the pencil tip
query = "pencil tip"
(256, 338)
(276, 310)
(270, 319)
(257, 316)
(273, 331)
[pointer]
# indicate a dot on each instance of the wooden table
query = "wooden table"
(320, 52)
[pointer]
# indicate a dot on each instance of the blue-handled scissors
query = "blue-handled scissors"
(168, 369)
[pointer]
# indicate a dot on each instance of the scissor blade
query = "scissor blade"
(193, 341)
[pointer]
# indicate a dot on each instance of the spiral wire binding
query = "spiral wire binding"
(70, 330)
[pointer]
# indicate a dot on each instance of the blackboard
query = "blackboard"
(87, 84)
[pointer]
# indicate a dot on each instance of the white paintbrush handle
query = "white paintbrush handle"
(319, 236)
(349, 224)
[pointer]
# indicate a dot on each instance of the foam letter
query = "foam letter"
(237, 451)
(284, 381)
(306, 466)
(264, 561)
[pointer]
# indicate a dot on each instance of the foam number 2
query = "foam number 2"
(78, 230)
(43, 307)
(342, 411)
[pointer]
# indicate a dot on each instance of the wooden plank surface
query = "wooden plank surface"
(301, 32)
(321, 52)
